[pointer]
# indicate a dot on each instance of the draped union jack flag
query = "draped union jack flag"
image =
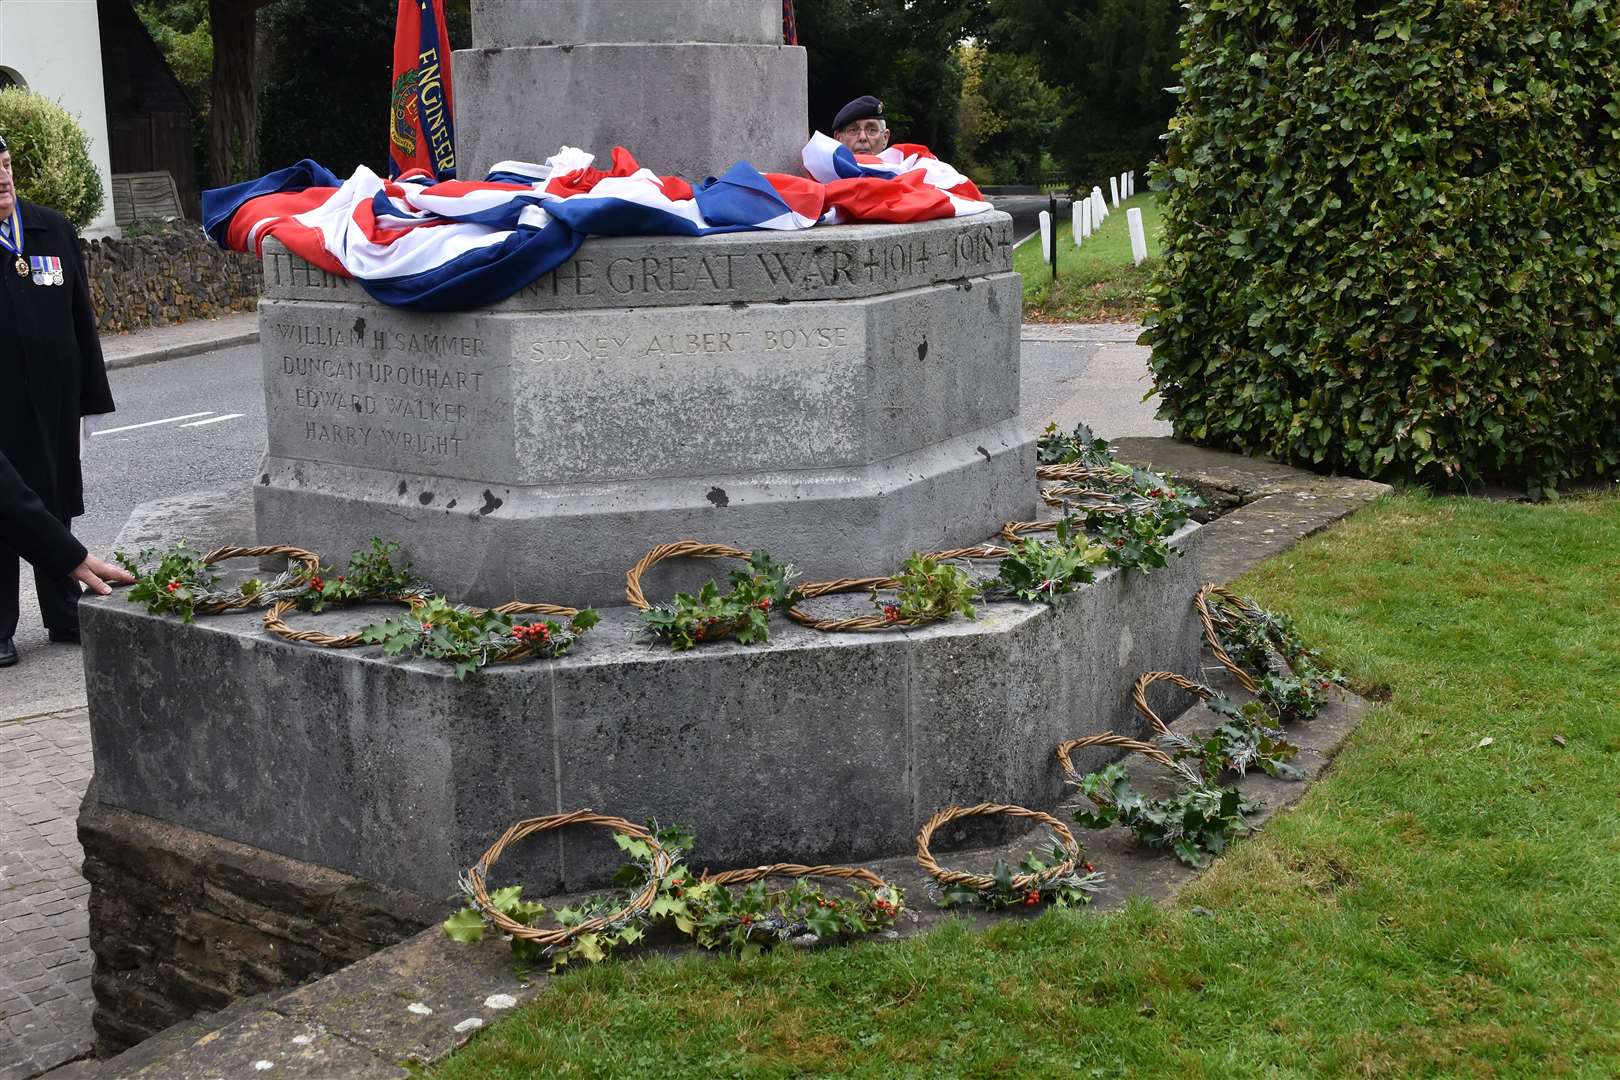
(451, 245)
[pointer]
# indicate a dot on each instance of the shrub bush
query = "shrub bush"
(50, 155)
(1393, 237)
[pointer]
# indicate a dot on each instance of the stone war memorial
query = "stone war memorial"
(841, 396)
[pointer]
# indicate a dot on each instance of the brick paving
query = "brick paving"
(45, 999)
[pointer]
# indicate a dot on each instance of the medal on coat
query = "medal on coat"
(57, 277)
(11, 238)
(41, 269)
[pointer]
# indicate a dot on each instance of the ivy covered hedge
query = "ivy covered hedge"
(1393, 237)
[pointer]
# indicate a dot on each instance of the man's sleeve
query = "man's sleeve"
(95, 396)
(30, 530)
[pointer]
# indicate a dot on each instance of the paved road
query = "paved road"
(1026, 211)
(202, 426)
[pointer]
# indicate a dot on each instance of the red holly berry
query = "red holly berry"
(765, 604)
(427, 627)
(316, 583)
(1032, 898)
(173, 586)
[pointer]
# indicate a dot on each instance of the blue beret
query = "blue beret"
(861, 108)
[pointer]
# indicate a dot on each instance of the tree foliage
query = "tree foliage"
(1393, 237)
(181, 30)
(328, 77)
(1008, 118)
(50, 156)
(1109, 61)
(902, 51)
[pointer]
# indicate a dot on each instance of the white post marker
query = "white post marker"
(1133, 217)
(1074, 221)
(1113, 191)
(1085, 216)
(1130, 183)
(1099, 208)
(1046, 235)
(1124, 190)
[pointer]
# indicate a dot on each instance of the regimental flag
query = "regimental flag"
(421, 125)
(452, 245)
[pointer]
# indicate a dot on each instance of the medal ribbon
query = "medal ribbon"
(11, 232)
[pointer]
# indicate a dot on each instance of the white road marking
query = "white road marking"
(215, 420)
(151, 423)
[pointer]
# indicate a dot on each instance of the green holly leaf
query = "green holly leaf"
(504, 898)
(636, 849)
(466, 925)
(590, 947)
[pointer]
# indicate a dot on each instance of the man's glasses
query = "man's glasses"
(872, 128)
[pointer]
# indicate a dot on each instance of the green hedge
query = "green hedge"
(50, 156)
(1393, 237)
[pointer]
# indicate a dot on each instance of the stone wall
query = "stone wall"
(171, 274)
(182, 922)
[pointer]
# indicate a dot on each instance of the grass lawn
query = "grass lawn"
(1096, 281)
(1431, 907)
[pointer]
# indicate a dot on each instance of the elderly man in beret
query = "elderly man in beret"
(861, 127)
(51, 375)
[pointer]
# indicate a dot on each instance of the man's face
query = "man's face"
(8, 193)
(870, 136)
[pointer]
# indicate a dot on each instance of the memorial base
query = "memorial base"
(813, 747)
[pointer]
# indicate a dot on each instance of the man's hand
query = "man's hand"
(95, 573)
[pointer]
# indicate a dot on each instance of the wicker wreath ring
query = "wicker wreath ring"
(981, 882)
(275, 623)
(1108, 738)
(855, 623)
(1245, 608)
(1063, 496)
(562, 935)
(1147, 679)
(687, 548)
(308, 559)
(794, 870)
(1072, 471)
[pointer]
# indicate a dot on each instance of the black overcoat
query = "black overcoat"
(30, 530)
(51, 371)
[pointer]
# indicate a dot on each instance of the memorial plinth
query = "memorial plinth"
(840, 397)
(688, 87)
(812, 748)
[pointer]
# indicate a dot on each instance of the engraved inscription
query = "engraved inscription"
(797, 269)
(659, 345)
(283, 270)
(388, 392)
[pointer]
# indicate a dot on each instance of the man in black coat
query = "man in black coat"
(28, 528)
(51, 375)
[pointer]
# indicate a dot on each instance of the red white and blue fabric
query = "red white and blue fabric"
(415, 242)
